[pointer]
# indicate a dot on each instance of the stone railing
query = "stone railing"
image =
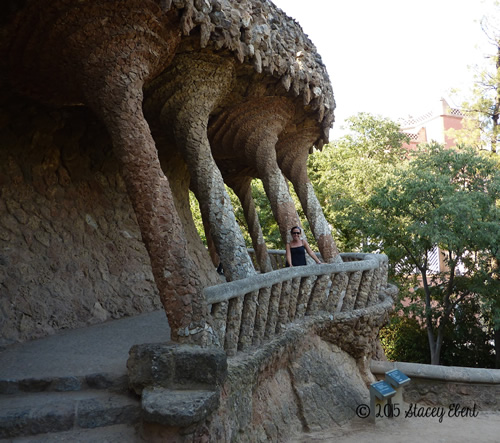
(249, 311)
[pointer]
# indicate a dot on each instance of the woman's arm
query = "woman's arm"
(311, 253)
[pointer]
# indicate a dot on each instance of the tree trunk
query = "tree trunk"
(434, 345)
(496, 109)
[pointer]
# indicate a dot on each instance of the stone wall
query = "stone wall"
(70, 248)
(307, 378)
(71, 252)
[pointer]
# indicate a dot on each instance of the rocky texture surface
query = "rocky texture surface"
(294, 385)
(189, 94)
(70, 249)
(299, 381)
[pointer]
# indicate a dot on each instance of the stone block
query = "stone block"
(178, 407)
(175, 366)
(204, 366)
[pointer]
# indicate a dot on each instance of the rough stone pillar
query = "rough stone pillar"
(161, 228)
(189, 93)
(254, 128)
(292, 151)
(243, 190)
(114, 91)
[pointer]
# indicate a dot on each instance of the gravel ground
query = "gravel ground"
(485, 428)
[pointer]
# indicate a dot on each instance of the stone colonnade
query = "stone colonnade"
(237, 90)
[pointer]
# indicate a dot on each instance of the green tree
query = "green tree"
(445, 198)
(404, 339)
(269, 225)
(348, 171)
(467, 339)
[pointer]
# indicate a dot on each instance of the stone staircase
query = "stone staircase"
(73, 386)
(69, 409)
(105, 382)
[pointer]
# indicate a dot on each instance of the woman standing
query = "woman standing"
(297, 248)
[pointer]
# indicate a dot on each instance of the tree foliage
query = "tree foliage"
(404, 339)
(380, 196)
(466, 342)
(446, 198)
(349, 170)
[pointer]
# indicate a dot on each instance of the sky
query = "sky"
(394, 58)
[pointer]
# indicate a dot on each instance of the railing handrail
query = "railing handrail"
(238, 288)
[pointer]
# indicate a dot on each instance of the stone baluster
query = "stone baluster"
(219, 320)
(284, 304)
(248, 320)
(273, 313)
(364, 289)
(261, 317)
(351, 291)
(304, 296)
(234, 312)
(295, 294)
(318, 294)
(375, 286)
(337, 291)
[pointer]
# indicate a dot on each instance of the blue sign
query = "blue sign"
(396, 378)
(382, 389)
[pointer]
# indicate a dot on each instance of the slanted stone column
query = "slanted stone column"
(292, 151)
(253, 127)
(186, 95)
(242, 188)
(161, 228)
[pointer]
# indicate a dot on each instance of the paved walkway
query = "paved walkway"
(101, 348)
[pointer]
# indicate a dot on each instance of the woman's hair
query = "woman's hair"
(296, 227)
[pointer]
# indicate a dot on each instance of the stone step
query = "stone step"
(111, 381)
(31, 414)
(104, 434)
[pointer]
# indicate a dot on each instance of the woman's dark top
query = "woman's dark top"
(298, 256)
